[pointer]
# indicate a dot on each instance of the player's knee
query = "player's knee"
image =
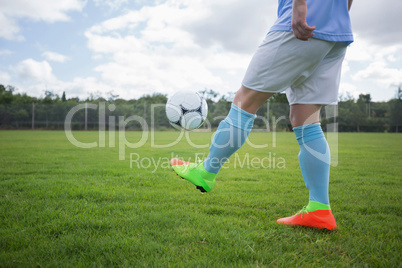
(250, 100)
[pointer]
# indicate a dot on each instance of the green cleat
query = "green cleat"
(194, 173)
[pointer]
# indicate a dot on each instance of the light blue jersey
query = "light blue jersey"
(331, 18)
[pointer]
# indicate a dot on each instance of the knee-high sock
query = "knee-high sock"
(314, 160)
(229, 137)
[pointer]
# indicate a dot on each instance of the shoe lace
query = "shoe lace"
(302, 211)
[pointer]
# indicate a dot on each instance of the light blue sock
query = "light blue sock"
(314, 160)
(229, 137)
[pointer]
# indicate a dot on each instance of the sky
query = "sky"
(132, 48)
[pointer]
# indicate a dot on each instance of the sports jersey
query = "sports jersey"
(331, 18)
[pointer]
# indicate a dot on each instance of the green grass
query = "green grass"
(66, 206)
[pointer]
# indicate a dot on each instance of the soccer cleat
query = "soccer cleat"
(194, 173)
(322, 219)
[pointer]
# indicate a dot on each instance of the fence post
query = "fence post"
(268, 117)
(33, 115)
(86, 116)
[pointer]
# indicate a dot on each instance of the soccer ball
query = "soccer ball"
(186, 110)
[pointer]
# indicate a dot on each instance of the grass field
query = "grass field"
(66, 206)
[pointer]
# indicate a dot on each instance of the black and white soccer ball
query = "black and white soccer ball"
(186, 110)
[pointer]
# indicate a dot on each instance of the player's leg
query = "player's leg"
(314, 160)
(231, 134)
(234, 130)
(314, 157)
(278, 62)
(304, 114)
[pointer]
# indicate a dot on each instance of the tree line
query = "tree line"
(21, 111)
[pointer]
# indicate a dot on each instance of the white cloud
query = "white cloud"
(364, 50)
(5, 78)
(237, 26)
(45, 10)
(53, 56)
(31, 70)
(373, 68)
(9, 29)
(160, 48)
(347, 90)
(82, 87)
(170, 45)
(379, 22)
(152, 49)
(345, 67)
(379, 72)
(360, 50)
(78, 87)
(38, 10)
(113, 4)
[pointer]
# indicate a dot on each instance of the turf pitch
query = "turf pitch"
(66, 206)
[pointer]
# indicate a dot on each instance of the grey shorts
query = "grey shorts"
(309, 71)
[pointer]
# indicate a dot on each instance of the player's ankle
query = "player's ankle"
(314, 205)
(205, 174)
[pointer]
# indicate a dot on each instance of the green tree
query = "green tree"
(364, 102)
(351, 116)
(279, 112)
(6, 94)
(395, 107)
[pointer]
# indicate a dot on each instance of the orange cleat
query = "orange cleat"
(178, 162)
(322, 219)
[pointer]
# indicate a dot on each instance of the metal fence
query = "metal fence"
(104, 115)
(94, 116)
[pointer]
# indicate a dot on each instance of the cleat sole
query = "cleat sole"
(196, 186)
(201, 189)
